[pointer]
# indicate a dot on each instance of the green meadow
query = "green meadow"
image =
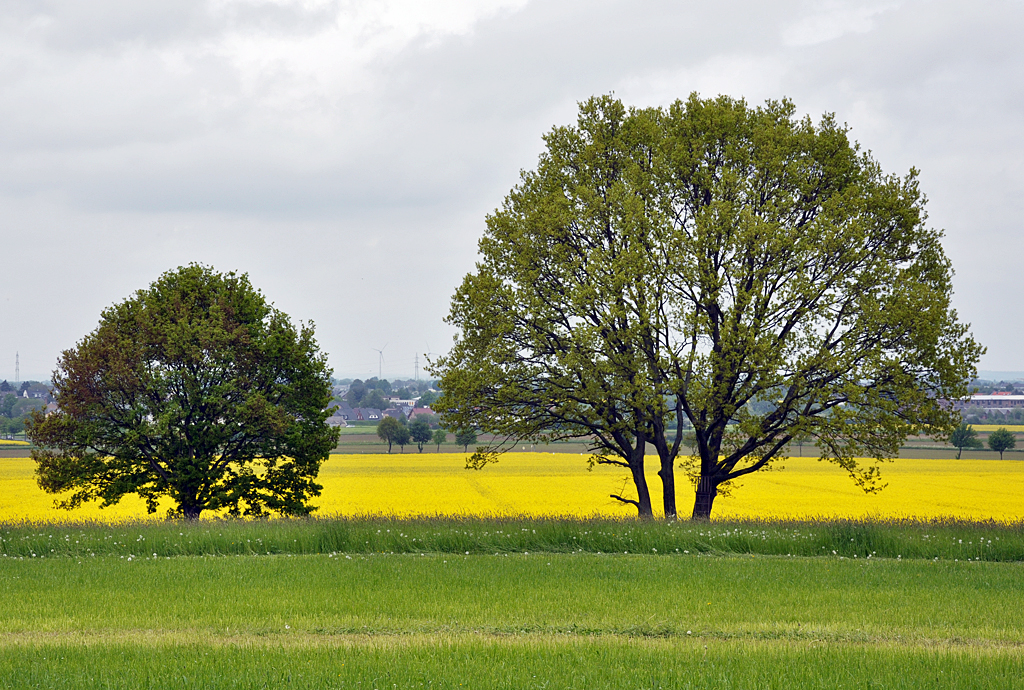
(546, 604)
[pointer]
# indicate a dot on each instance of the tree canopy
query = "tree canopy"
(390, 430)
(1001, 440)
(465, 438)
(964, 436)
(746, 271)
(440, 436)
(420, 432)
(194, 389)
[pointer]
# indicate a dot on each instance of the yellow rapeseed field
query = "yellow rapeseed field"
(540, 484)
(1016, 428)
(10, 442)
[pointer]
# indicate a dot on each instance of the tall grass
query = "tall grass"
(306, 600)
(540, 663)
(905, 539)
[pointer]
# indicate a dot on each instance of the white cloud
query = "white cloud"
(826, 21)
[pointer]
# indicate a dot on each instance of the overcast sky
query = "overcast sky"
(344, 154)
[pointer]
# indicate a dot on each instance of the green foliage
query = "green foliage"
(964, 436)
(440, 436)
(465, 438)
(374, 399)
(369, 393)
(1001, 440)
(388, 430)
(419, 432)
(427, 399)
(195, 389)
(737, 268)
(11, 426)
(14, 409)
(402, 435)
(7, 402)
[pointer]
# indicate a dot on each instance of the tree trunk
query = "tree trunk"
(668, 487)
(707, 490)
(191, 512)
(643, 493)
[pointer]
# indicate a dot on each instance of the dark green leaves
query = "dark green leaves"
(195, 389)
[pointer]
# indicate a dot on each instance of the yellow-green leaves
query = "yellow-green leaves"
(736, 269)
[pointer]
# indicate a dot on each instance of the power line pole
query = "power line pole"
(417, 365)
(17, 369)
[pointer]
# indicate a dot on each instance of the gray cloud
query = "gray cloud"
(345, 154)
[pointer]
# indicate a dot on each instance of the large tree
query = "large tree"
(748, 272)
(195, 389)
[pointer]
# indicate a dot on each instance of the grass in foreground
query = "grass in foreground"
(462, 662)
(825, 599)
(509, 621)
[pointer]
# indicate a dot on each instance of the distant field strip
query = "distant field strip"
(551, 484)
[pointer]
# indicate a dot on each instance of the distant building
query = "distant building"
(997, 402)
(396, 412)
(367, 414)
(424, 412)
(346, 412)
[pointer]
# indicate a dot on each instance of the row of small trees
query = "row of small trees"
(965, 436)
(396, 432)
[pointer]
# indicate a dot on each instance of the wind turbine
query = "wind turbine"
(428, 354)
(380, 363)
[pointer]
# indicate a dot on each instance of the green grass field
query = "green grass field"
(547, 604)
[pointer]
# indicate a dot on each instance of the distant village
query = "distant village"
(360, 403)
(364, 403)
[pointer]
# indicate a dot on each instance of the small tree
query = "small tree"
(402, 435)
(419, 430)
(964, 436)
(465, 438)
(1000, 440)
(440, 436)
(388, 430)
